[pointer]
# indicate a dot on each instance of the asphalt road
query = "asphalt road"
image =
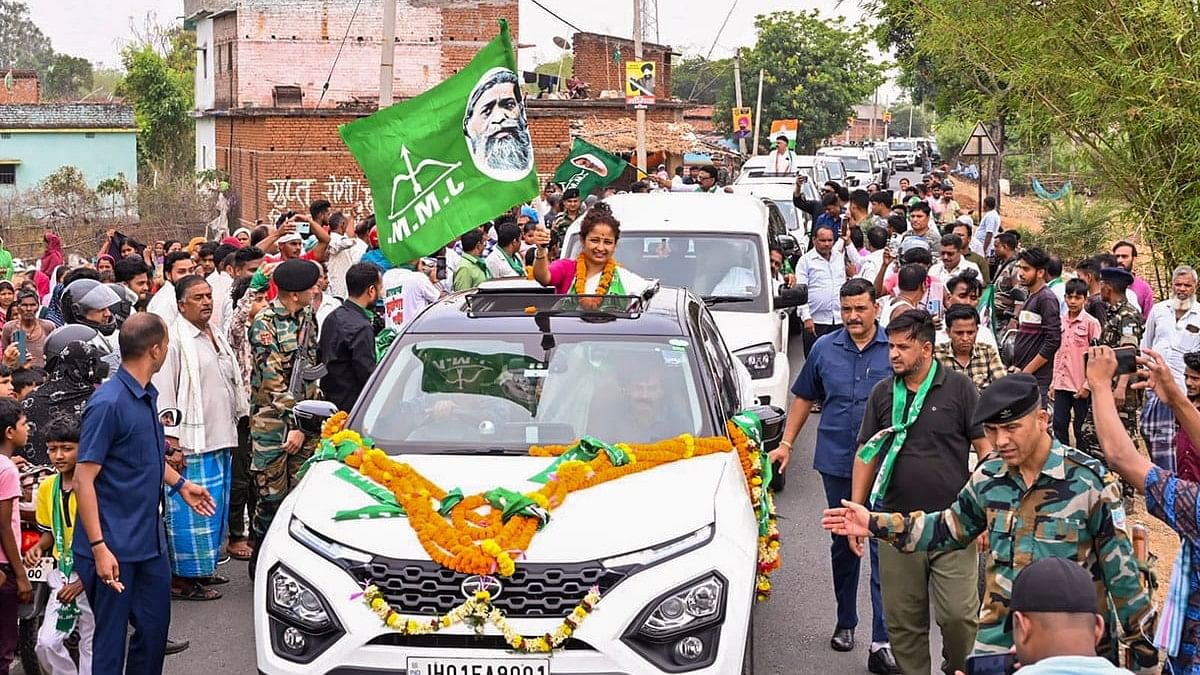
(792, 628)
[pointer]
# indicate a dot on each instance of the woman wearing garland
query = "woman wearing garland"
(594, 271)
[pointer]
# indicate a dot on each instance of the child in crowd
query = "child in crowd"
(6, 383)
(14, 586)
(1069, 389)
(67, 609)
(25, 381)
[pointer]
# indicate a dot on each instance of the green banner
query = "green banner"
(515, 377)
(450, 159)
(588, 168)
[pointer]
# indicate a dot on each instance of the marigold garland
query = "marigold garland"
(478, 611)
(606, 276)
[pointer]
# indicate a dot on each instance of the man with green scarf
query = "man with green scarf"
(916, 439)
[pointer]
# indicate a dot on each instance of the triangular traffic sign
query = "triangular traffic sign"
(979, 144)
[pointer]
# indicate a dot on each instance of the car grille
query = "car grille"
(534, 590)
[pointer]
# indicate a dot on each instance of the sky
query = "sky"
(97, 30)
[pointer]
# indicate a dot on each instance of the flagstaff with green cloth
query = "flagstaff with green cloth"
(588, 168)
(450, 159)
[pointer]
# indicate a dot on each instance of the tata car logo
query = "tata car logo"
(475, 583)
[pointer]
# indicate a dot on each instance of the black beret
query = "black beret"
(1116, 274)
(1009, 398)
(1053, 585)
(296, 275)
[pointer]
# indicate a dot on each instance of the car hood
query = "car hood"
(621, 516)
(746, 329)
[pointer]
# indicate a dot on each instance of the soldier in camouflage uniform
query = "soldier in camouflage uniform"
(278, 447)
(1037, 499)
(1122, 328)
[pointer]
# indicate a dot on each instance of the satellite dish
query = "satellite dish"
(561, 43)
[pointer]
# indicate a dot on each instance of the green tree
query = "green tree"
(68, 77)
(815, 71)
(160, 88)
(921, 124)
(698, 79)
(22, 43)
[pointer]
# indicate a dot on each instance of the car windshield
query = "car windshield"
(900, 145)
(727, 267)
(503, 393)
(835, 168)
(856, 164)
(788, 209)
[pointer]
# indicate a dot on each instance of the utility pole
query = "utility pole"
(641, 110)
(387, 57)
(874, 112)
(737, 91)
(911, 109)
(758, 108)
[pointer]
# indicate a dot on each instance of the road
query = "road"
(792, 628)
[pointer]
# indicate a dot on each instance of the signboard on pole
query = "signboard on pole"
(979, 144)
(743, 119)
(639, 83)
(787, 128)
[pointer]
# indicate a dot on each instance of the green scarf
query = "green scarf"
(68, 611)
(897, 433)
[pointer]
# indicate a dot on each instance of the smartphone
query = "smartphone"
(22, 348)
(1126, 358)
(302, 228)
(991, 664)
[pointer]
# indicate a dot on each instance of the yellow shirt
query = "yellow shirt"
(45, 512)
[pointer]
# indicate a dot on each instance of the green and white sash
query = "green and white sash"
(897, 433)
(67, 611)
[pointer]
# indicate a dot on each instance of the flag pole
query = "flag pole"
(641, 110)
(387, 56)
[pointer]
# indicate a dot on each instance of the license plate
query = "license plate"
(40, 571)
(439, 666)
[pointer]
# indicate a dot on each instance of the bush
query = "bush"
(1076, 227)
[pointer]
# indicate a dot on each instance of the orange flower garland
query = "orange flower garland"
(606, 277)
(474, 539)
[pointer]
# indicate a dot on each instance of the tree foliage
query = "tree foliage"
(815, 71)
(67, 78)
(159, 86)
(1118, 79)
(24, 46)
(921, 123)
(698, 79)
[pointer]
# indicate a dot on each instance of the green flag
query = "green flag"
(588, 168)
(450, 159)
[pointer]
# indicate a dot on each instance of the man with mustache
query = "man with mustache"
(496, 129)
(1173, 330)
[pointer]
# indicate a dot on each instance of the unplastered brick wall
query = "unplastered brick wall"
(595, 63)
(295, 44)
(25, 87)
(550, 126)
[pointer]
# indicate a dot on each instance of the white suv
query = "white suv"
(462, 394)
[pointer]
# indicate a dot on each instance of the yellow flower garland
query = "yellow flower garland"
(606, 276)
(478, 611)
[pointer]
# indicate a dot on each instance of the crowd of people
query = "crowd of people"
(992, 407)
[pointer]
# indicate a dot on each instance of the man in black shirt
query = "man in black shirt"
(348, 337)
(918, 460)
(1039, 323)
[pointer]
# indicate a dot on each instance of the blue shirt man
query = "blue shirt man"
(839, 374)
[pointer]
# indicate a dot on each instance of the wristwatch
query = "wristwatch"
(178, 485)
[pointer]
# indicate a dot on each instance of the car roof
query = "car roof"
(665, 315)
(688, 211)
(775, 190)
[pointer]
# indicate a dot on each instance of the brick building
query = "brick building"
(600, 61)
(868, 125)
(25, 86)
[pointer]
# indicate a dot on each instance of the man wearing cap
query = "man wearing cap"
(1055, 622)
(1035, 498)
(783, 160)
(1123, 327)
(282, 337)
(914, 455)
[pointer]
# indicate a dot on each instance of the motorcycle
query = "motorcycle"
(30, 616)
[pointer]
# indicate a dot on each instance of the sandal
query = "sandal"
(240, 549)
(193, 591)
(214, 580)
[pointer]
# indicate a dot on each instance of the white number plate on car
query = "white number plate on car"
(433, 666)
(40, 571)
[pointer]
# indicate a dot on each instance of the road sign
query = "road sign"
(979, 144)
(639, 82)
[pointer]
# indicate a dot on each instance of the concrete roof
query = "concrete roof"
(67, 116)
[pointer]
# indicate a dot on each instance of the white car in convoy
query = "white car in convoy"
(462, 393)
(904, 153)
(862, 166)
(797, 223)
(717, 246)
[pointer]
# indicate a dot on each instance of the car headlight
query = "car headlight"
(655, 554)
(695, 604)
(759, 360)
(325, 547)
(296, 601)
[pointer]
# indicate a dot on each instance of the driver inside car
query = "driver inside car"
(640, 410)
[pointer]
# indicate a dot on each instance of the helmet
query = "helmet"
(125, 308)
(84, 295)
(65, 344)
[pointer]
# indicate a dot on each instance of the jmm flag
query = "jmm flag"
(588, 168)
(450, 159)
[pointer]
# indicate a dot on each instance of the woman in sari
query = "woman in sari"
(594, 271)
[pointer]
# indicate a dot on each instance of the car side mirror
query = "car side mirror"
(787, 243)
(170, 417)
(310, 415)
(772, 419)
(791, 297)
